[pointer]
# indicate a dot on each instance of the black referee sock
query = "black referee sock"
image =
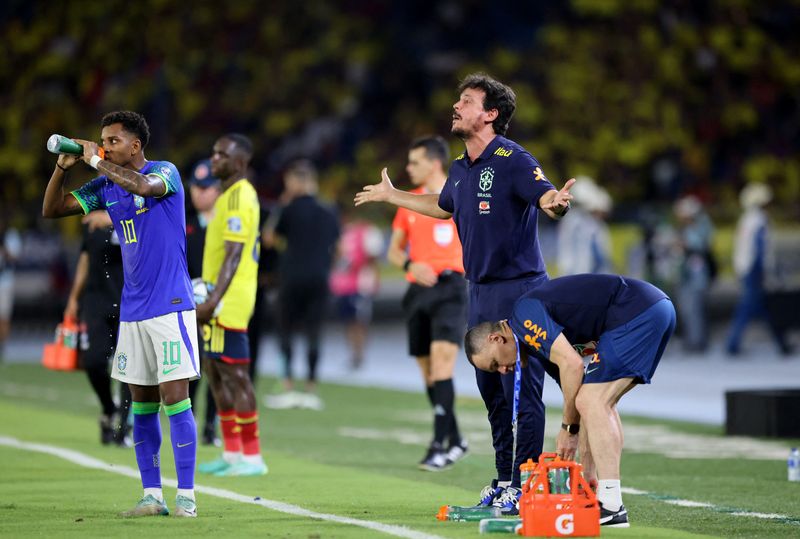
(101, 383)
(443, 397)
(429, 391)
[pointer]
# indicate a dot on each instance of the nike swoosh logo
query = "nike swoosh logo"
(137, 443)
(184, 445)
(167, 371)
(111, 203)
(592, 370)
(459, 181)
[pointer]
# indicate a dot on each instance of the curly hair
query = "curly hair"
(132, 122)
(498, 96)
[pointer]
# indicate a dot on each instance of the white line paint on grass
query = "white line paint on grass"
(90, 462)
(398, 531)
(786, 519)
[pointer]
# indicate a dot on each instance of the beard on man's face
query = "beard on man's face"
(460, 132)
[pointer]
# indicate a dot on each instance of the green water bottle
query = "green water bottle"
(62, 144)
(500, 525)
(467, 514)
(559, 481)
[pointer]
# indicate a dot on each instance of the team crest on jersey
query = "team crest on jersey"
(138, 201)
(234, 224)
(487, 175)
(122, 361)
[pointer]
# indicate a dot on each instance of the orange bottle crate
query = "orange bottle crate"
(575, 514)
(62, 354)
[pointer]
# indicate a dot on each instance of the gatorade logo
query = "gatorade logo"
(565, 524)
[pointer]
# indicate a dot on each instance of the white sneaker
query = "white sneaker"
(284, 401)
(185, 507)
(435, 461)
(458, 451)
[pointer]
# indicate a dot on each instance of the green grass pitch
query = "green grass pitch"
(355, 460)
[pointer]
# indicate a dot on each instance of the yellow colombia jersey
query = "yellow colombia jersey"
(236, 215)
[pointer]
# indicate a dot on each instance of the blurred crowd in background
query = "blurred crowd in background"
(665, 110)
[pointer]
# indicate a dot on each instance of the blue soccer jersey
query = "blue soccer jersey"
(494, 201)
(582, 307)
(152, 233)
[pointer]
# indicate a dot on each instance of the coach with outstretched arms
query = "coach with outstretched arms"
(494, 192)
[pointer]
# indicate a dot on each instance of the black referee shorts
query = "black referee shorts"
(98, 341)
(437, 313)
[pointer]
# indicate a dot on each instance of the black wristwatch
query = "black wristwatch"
(572, 429)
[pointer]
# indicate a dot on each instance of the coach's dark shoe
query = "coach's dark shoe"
(489, 493)
(508, 501)
(614, 519)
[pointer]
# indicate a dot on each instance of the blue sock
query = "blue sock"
(147, 442)
(183, 432)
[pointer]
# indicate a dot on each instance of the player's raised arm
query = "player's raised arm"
(427, 204)
(556, 203)
(58, 202)
(130, 180)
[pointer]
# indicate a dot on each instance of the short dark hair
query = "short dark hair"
(132, 122)
(242, 142)
(498, 96)
(475, 338)
(302, 169)
(435, 147)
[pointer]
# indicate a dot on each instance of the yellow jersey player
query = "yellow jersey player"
(230, 267)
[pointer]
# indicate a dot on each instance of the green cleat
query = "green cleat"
(241, 469)
(214, 467)
(185, 507)
(147, 507)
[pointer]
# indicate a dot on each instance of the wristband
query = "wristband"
(406, 264)
(94, 160)
(62, 168)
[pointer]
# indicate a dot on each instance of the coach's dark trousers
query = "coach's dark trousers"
(492, 302)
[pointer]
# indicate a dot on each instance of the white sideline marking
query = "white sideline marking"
(704, 505)
(688, 503)
(658, 439)
(90, 462)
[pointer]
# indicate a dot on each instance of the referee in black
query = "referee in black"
(435, 304)
(94, 300)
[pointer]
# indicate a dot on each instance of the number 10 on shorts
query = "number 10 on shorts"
(172, 352)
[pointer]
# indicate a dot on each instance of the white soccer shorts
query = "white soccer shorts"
(157, 350)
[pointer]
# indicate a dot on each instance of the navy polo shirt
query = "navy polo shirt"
(583, 306)
(494, 201)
